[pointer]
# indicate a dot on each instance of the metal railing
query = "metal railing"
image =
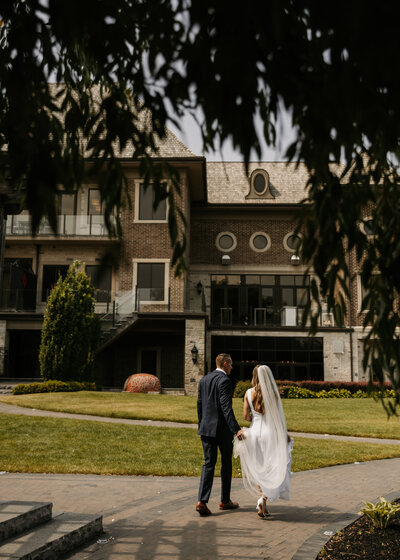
(66, 225)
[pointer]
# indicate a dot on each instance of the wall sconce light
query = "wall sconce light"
(226, 259)
(294, 260)
(195, 354)
(199, 287)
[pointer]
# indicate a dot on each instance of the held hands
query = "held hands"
(240, 434)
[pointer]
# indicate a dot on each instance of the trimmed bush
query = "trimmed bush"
(320, 390)
(70, 329)
(316, 386)
(241, 388)
(293, 392)
(54, 386)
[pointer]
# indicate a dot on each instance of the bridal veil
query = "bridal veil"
(264, 453)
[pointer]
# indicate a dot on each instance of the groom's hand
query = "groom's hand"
(240, 434)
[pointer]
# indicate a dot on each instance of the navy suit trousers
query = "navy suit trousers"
(223, 441)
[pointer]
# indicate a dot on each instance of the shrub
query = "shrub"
(334, 394)
(70, 329)
(300, 393)
(351, 386)
(54, 386)
(380, 513)
(322, 389)
(241, 388)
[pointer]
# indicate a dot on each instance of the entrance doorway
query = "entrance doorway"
(23, 354)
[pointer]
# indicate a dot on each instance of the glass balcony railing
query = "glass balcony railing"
(68, 225)
(259, 317)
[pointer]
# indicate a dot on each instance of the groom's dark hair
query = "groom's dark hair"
(222, 358)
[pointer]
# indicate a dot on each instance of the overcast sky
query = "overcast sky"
(190, 136)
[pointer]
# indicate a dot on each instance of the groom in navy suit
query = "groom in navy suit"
(217, 426)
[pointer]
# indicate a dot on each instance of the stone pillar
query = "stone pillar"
(3, 333)
(337, 356)
(194, 335)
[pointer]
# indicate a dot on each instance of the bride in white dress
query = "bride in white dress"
(265, 453)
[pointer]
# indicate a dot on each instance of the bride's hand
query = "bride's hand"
(240, 434)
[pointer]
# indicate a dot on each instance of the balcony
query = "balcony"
(263, 317)
(67, 225)
(108, 304)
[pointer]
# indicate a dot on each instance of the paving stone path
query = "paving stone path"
(154, 517)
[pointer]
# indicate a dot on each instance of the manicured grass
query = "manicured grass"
(115, 405)
(350, 417)
(53, 445)
(356, 417)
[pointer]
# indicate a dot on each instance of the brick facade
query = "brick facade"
(159, 335)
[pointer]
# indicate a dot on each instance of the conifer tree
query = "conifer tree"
(70, 328)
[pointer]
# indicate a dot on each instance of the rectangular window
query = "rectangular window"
(151, 281)
(146, 205)
(101, 280)
(66, 205)
(51, 274)
(94, 203)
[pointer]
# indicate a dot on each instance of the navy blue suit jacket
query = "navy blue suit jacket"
(214, 404)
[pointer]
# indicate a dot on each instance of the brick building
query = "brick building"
(242, 292)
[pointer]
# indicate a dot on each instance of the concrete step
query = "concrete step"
(63, 533)
(17, 517)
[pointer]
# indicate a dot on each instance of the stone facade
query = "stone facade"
(194, 336)
(3, 334)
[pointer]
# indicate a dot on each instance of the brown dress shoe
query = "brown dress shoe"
(228, 505)
(202, 509)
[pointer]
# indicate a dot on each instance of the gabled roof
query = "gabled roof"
(167, 147)
(228, 182)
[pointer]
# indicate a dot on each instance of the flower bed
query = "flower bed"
(362, 540)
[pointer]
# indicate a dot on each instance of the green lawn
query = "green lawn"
(356, 417)
(50, 445)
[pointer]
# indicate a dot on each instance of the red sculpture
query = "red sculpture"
(142, 383)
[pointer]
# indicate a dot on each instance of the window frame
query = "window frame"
(60, 195)
(230, 234)
(166, 263)
(285, 240)
(137, 218)
(42, 288)
(102, 299)
(88, 202)
(263, 234)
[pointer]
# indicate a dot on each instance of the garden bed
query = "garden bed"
(362, 541)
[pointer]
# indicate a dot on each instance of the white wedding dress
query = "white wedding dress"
(265, 454)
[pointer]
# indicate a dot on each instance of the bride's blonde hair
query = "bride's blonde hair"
(258, 401)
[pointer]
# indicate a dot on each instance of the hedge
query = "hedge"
(54, 386)
(321, 389)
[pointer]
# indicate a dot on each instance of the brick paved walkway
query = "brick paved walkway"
(154, 517)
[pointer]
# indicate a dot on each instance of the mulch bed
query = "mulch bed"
(361, 540)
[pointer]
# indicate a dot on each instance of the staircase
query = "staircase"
(116, 322)
(30, 531)
(6, 389)
(118, 329)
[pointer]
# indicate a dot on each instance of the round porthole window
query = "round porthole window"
(259, 183)
(226, 241)
(291, 241)
(260, 242)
